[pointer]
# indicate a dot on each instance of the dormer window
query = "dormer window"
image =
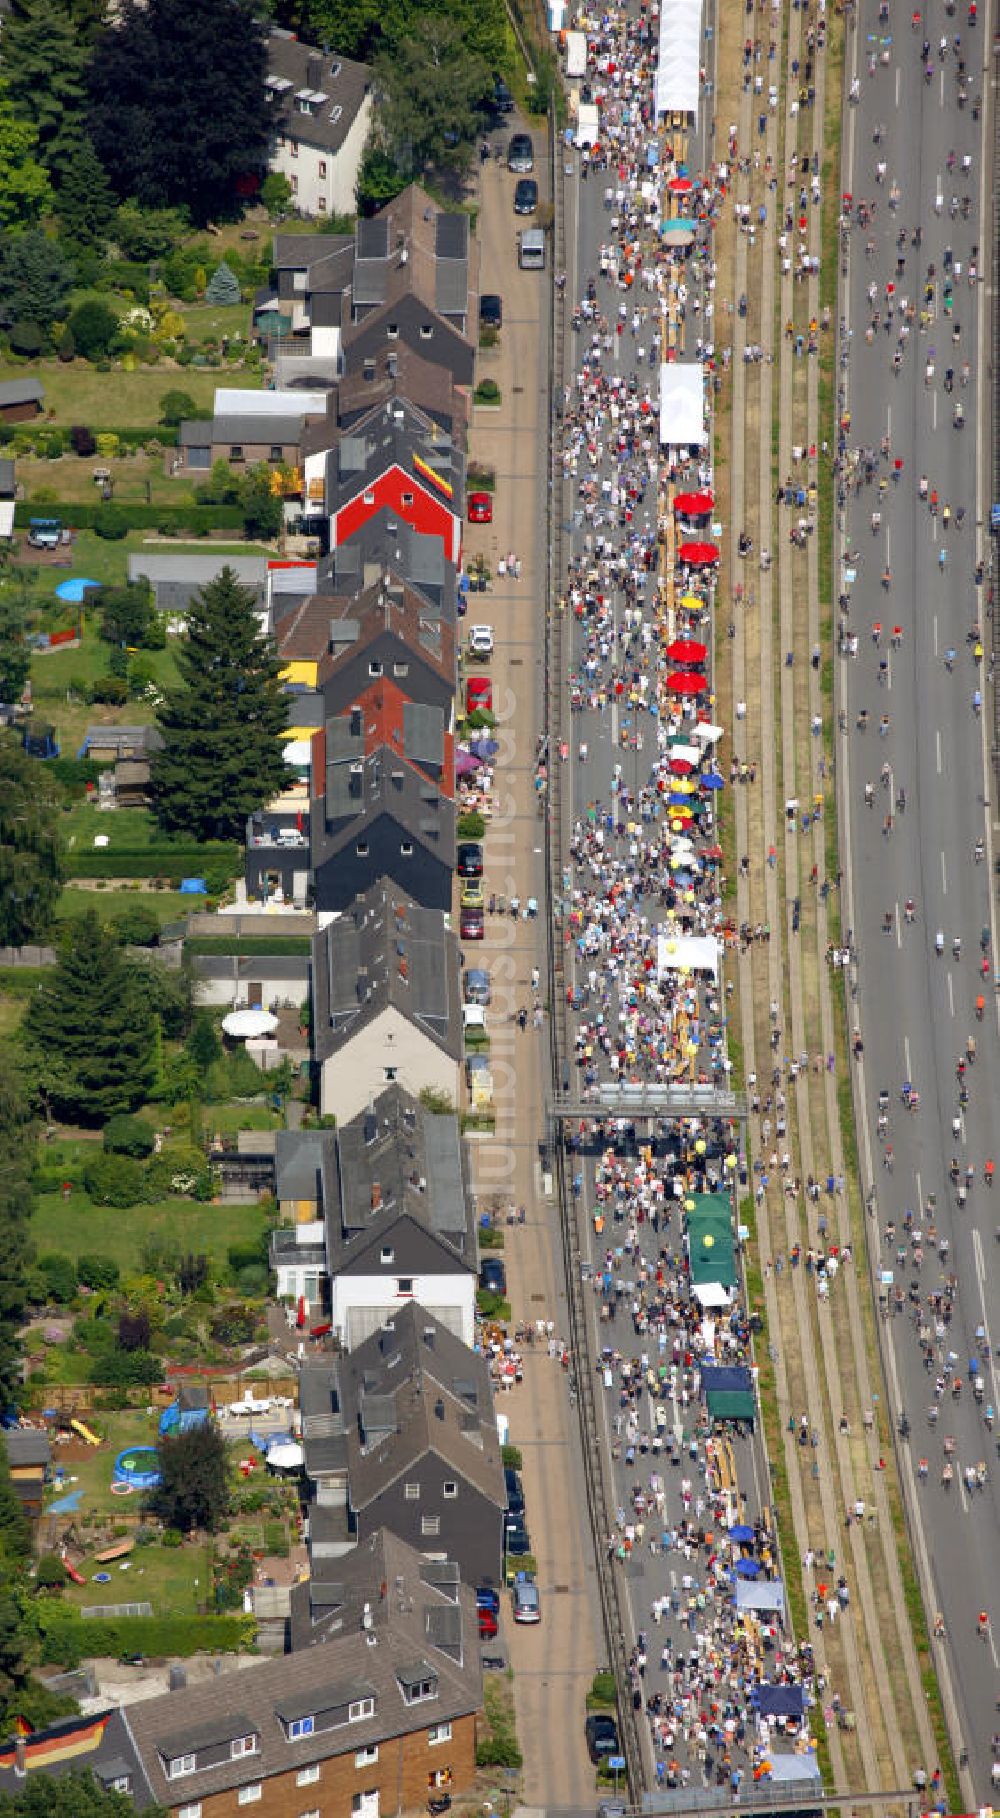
(360, 1709)
(180, 1765)
(301, 1726)
(242, 1745)
(388, 1254)
(417, 1691)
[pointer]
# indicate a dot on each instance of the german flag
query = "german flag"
(436, 479)
(67, 1740)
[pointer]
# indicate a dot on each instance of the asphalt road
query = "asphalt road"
(913, 1008)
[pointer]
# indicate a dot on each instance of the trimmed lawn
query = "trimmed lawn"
(54, 673)
(126, 828)
(71, 478)
(204, 319)
(75, 392)
(76, 1226)
(173, 1579)
(115, 901)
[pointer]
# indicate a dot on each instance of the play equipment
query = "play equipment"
(118, 1551)
(136, 1469)
(72, 1572)
(85, 1432)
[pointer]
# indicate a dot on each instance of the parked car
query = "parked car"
(480, 508)
(481, 641)
(470, 859)
(521, 154)
(477, 986)
(471, 925)
(515, 1491)
(516, 1540)
(487, 1598)
(503, 100)
(473, 1019)
(488, 1624)
(601, 1732)
(493, 1275)
(526, 1601)
(525, 196)
(472, 893)
(478, 693)
(491, 310)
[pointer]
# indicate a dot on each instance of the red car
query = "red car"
(480, 506)
(478, 693)
(471, 925)
(488, 1625)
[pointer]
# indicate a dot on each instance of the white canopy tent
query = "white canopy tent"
(687, 953)
(682, 404)
(678, 69)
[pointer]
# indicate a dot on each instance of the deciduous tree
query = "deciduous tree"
(224, 723)
(433, 83)
(193, 1492)
(25, 190)
(178, 106)
(31, 855)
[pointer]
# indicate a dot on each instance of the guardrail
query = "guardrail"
(555, 847)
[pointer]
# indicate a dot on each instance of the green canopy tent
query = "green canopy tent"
(730, 1404)
(710, 1241)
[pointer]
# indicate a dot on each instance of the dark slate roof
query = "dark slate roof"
(195, 432)
(413, 1388)
(331, 629)
(386, 541)
(340, 1654)
(300, 1158)
(22, 391)
(101, 1742)
(411, 247)
(8, 479)
(361, 788)
(386, 950)
(393, 433)
(396, 1159)
(26, 1446)
(376, 1582)
(273, 431)
(342, 84)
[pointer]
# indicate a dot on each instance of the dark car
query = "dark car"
(515, 1491)
(487, 1598)
(525, 196)
(516, 1540)
(602, 1736)
(493, 1276)
(472, 925)
(521, 154)
(491, 311)
(470, 860)
(503, 100)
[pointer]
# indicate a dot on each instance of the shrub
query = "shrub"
(188, 518)
(111, 523)
(114, 1180)
(470, 826)
(67, 345)
(126, 1369)
(252, 1281)
(487, 392)
(59, 1274)
(66, 1638)
(175, 406)
(97, 1272)
(133, 1330)
(51, 1574)
(124, 1135)
(81, 440)
(108, 444)
(234, 1325)
(52, 445)
(111, 690)
(139, 926)
(27, 338)
(94, 326)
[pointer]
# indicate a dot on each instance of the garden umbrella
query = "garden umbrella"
(694, 504)
(679, 186)
(686, 650)
(698, 555)
(711, 780)
(681, 766)
(466, 762)
(741, 1532)
(677, 233)
(681, 683)
(483, 748)
(692, 602)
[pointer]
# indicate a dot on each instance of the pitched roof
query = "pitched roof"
(359, 1653)
(359, 787)
(387, 541)
(100, 1742)
(397, 1157)
(333, 629)
(333, 88)
(398, 370)
(413, 1388)
(26, 1446)
(413, 247)
(385, 951)
(21, 391)
(408, 729)
(382, 1583)
(394, 433)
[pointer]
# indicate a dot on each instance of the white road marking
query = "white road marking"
(938, 740)
(944, 876)
(906, 1056)
(899, 932)
(935, 652)
(951, 996)
(933, 409)
(898, 74)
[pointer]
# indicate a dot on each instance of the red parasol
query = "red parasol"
(680, 767)
(679, 186)
(698, 555)
(681, 683)
(694, 504)
(686, 650)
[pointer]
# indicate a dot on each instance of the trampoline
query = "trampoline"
(136, 1469)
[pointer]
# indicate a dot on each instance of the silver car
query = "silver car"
(527, 1605)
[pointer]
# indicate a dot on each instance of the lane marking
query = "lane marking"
(951, 995)
(944, 876)
(938, 740)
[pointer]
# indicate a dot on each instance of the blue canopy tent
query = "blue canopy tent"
(778, 1700)
(748, 1568)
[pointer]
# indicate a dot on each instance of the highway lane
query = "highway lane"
(914, 1009)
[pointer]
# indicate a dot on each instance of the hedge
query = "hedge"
(68, 1638)
(135, 517)
(217, 856)
(288, 946)
(129, 437)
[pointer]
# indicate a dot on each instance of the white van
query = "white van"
(531, 249)
(473, 1018)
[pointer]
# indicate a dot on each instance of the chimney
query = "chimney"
(20, 1757)
(439, 1409)
(376, 1200)
(314, 70)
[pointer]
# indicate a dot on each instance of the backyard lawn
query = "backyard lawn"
(138, 479)
(54, 674)
(75, 1226)
(117, 900)
(75, 392)
(175, 1580)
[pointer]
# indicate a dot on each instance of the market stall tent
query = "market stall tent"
(682, 404)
